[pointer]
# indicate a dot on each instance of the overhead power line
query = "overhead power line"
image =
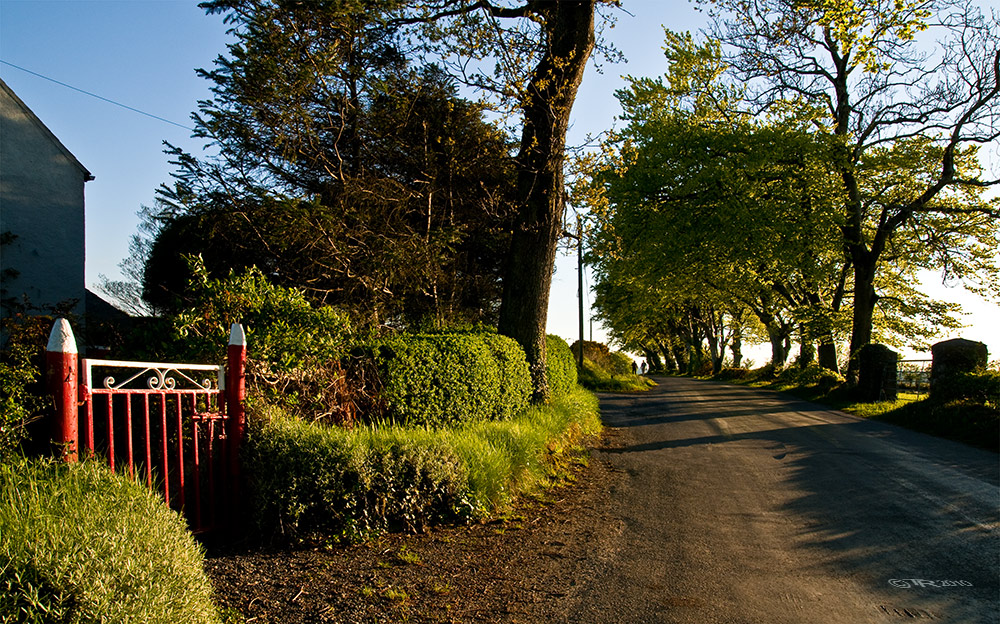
(94, 95)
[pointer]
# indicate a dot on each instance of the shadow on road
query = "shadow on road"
(871, 499)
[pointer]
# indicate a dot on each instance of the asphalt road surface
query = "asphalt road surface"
(745, 506)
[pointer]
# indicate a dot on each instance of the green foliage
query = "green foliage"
(21, 363)
(81, 544)
(312, 482)
(615, 363)
(362, 176)
(812, 375)
(978, 387)
(286, 330)
(619, 364)
(595, 377)
(732, 374)
(560, 365)
(294, 347)
(434, 380)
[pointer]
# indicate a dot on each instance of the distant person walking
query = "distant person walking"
(644, 367)
(635, 367)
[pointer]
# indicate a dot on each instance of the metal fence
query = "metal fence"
(913, 378)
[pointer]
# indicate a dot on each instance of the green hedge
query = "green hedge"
(979, 387)
(310, 482)
(621, 364)
(447, 379)
(81, 544)
(561, 366)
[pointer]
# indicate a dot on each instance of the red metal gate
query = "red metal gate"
(177, 427)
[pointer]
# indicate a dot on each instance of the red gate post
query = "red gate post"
(62, 378)
(236, 394)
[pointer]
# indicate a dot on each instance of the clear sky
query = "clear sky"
(143, 53)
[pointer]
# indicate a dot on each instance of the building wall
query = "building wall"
(42, 204)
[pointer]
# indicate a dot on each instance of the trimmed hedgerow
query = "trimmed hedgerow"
(310, 482)
(560, 365)
(81, 544)
(447, 379)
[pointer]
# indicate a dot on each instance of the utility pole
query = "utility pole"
(579, 275)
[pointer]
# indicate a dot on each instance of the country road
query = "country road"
(745, 506)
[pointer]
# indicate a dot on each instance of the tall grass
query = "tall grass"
(80, 544)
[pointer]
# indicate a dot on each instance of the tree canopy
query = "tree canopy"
(726, 193)
(345, 163)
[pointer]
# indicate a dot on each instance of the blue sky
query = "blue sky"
(143, 53)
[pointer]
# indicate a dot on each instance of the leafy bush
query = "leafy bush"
(21, 385)
(445, 379)
(732, 374)
(312, 482)
(560, 365)
(81, 544)
(515, 388)
(978, 387)
(619, 364)
(812, 375)
(309, 481)
(294, 351)
(615, 363)
(595, 378)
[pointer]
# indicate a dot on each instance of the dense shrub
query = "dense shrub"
(560, 365)
(619, 364)
(446, 379)
(515, 387)
(979, 387)
(81, 544)
(594, 377)
(313, 482)
(309, 481)
(22, 396)
(813, 375)
(294, 351)
(732, 374)
(614, 362)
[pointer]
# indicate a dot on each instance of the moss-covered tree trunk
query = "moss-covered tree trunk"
(548, 100)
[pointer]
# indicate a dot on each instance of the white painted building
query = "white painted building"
(41, 211)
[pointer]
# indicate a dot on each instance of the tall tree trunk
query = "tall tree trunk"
(737, 346)
(669, 364)
(548, 100)
(826, 352)
(653, 360)
(807, 352)
(863, 311)
(680, 355)
(779, 355)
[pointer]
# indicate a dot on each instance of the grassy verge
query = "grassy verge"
(969, 421)
(312, 483)
(597, 379)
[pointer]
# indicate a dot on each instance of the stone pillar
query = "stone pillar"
(951, 357)
(877, 373)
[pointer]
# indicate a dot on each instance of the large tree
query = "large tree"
(915, 81)
(407, 224)
(528, 56)
(716, 212)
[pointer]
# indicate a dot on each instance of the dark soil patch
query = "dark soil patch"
(525, 568)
